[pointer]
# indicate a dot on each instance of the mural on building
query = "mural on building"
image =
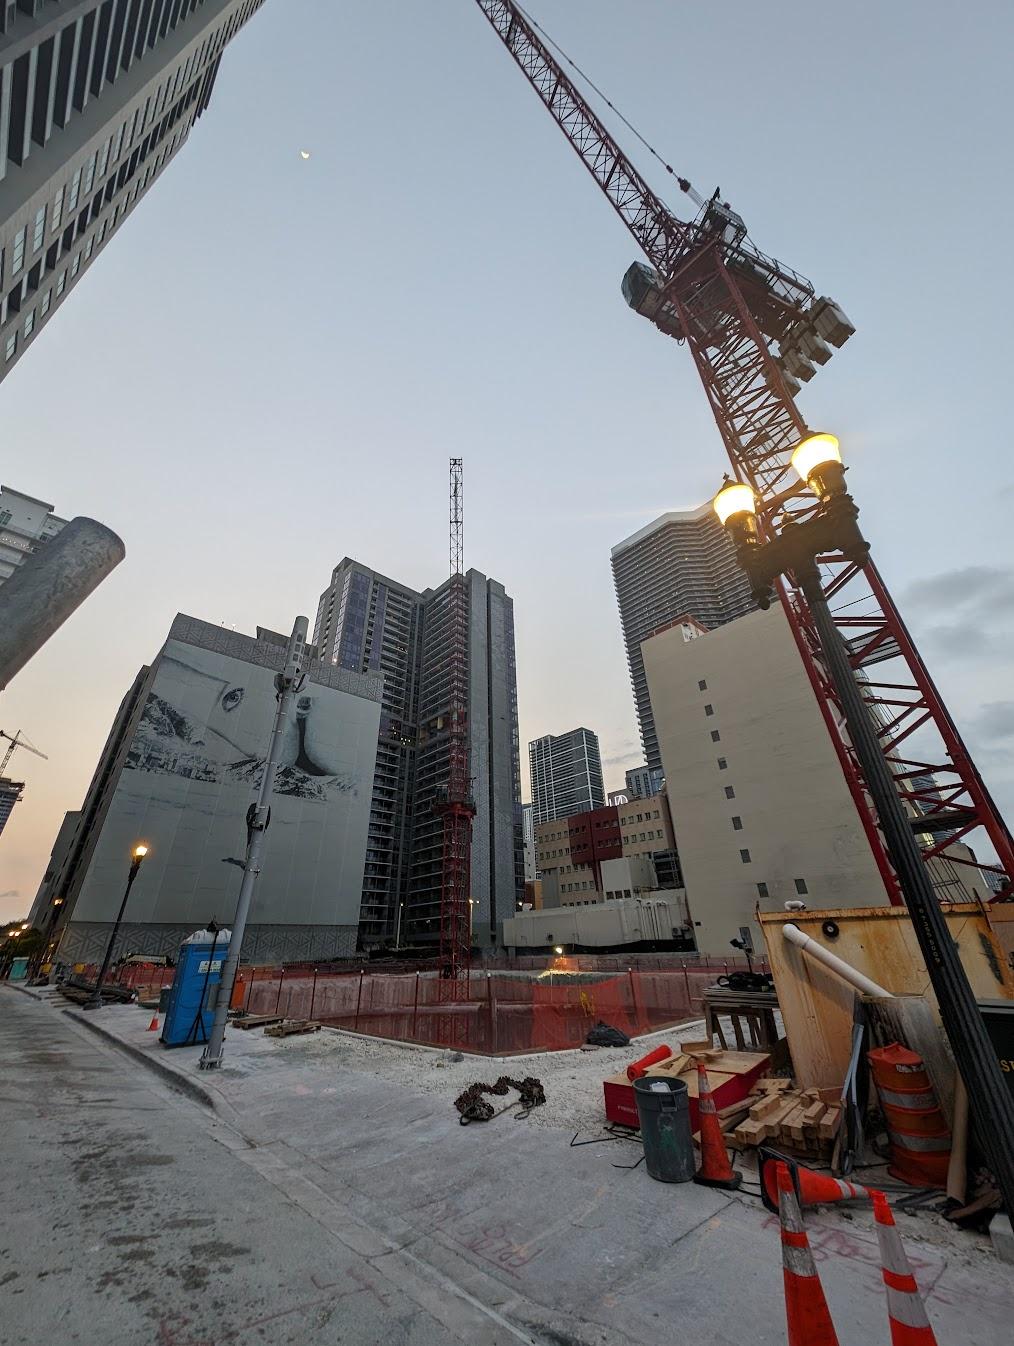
(210, 741)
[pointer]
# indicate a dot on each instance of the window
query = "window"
(89, 174)
(722, 764)
(57, 212)
(702, 686)
(715, 736)
(75, 188)
(61, 283)
(119, 142)
(29, 324)
(762, 890)
(745, 857)
(11, 347)
(104, 156)
(18, 251)
(730, 793)
(642, 836)
(47, 299)
(801, 886)
(39, 229)
(75, 266)
(709, 710)
(88, 248)
(737, 824)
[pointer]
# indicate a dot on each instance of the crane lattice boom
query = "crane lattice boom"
(756, 332)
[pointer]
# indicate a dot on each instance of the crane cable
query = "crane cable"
(685, 184)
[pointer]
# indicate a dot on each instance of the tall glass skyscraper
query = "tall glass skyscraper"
(566, 775)
(96, 96)
(681, 565)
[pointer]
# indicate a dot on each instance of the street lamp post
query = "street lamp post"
(834, 527)
(94, 1001)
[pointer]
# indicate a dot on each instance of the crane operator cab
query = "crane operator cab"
(720, 218)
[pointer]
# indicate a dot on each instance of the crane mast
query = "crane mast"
(454, 802)
(757, 331)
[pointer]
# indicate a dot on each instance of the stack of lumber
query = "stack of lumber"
(804, 1121)
(287, 1028)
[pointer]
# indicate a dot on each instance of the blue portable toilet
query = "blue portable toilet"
(194, 990)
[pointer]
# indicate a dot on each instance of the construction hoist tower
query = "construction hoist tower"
(757, 331)
(454, 801)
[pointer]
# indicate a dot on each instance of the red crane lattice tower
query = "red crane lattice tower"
(455, 802)
(756, 330)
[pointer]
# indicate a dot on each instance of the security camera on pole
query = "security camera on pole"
(287, 684)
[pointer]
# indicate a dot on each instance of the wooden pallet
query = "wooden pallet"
(791, 1119)
(256, 1020)
(287, 1028)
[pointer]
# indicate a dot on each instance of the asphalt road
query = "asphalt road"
(128, 1217)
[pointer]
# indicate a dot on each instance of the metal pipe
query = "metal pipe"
(831, 960)
(287, 684)
(51, 584)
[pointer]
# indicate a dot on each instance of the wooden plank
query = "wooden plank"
(775, 1084)
(827, 1128)
(768, 1104)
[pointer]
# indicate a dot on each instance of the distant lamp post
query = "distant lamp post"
(94, 1001)
(472, 904)
(833, 527)
(397, 928)
(558, 949)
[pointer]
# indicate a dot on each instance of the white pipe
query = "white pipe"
(844, 970)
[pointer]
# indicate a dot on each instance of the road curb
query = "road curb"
(166, 1073)
(13, 985)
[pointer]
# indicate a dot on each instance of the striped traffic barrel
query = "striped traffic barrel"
(919, 1134)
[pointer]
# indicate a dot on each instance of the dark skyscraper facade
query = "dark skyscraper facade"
(367, 622)
(96, 96)
(681, 565)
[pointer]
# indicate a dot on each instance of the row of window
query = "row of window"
(801, 888)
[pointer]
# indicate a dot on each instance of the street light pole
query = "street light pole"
(94, 1001)
(796, 549)
(287, 684)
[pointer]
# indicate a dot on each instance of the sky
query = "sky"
(271, 364)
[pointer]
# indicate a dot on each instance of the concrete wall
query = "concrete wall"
(185, 777)
(797, 819)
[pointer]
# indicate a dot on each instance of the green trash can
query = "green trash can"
(663, 1110)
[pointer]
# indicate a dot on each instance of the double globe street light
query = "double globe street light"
(833, 527)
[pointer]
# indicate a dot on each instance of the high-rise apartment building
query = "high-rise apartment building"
(96, 96)
(10, 794)
(681, 565)
(25, 525)
(528, 838)
(566, 774)
(367, 622)
(644, 781)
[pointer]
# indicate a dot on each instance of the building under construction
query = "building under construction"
(369, 623)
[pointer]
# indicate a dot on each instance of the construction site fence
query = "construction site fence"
(496, 1012)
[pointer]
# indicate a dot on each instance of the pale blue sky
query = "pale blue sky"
(271, 364)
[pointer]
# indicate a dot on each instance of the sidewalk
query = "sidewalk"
(556, 1238)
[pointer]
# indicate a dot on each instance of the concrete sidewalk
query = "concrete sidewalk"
(557, 1239)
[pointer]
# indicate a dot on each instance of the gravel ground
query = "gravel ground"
(572, 1079)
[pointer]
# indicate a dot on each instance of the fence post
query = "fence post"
(640, 1027)
(359, 998)
(489, 1014)
(278, 998)
(415, 1006)
(313, 992)
(686, 983)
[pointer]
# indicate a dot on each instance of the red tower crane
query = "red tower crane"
(757, 330)
(454, 801)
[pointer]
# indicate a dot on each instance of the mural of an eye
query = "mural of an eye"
(232, 698)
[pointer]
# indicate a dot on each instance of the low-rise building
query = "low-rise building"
(607, 853)
(651, 921)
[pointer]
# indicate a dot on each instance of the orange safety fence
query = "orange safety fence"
(503, 1012)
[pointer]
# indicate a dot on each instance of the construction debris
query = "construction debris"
(288, 1028)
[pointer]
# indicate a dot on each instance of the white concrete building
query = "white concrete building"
(760, 807)
(25, 525)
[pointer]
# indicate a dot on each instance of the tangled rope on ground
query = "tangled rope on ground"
(474, 1108)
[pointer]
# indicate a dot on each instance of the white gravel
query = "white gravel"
(572, 1079)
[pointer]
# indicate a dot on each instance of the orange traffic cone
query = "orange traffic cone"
(905, 1309)
(812, 1189)
(806, 1312)
(715, 1170)
(153, 1026)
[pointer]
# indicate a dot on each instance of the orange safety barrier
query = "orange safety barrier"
(640, 1068)
(906, 1311)
(812, 1189)
(919, 1135)
(715, 1170)
(807, 1315)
